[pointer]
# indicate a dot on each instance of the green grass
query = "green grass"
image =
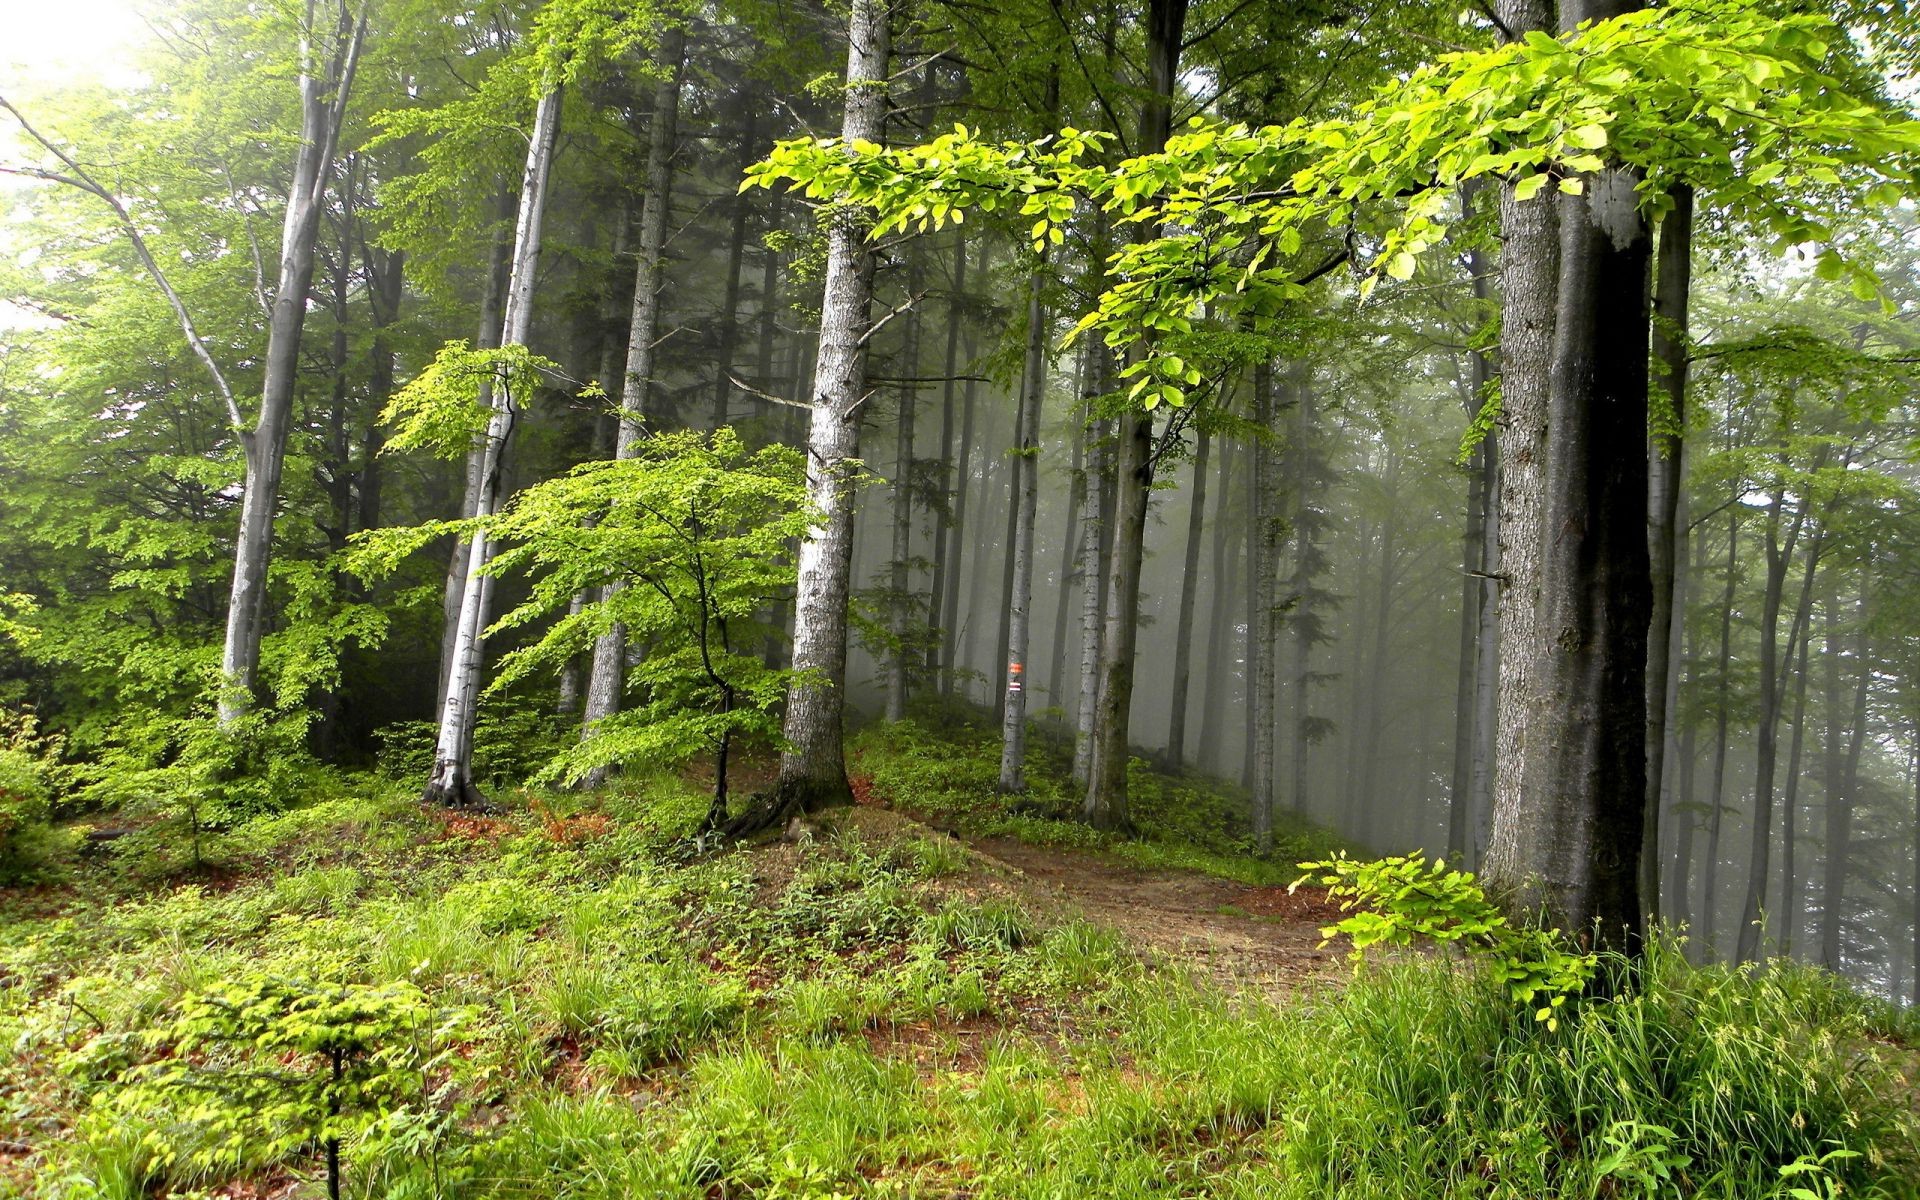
(870, 1015)
(946, 767)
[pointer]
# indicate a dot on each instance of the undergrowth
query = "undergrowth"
(945, 767)
(568, 1009)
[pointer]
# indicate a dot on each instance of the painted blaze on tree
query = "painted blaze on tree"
(1756, 112)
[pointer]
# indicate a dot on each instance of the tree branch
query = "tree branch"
(79, 178)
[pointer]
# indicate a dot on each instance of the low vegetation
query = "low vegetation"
(560, 1001)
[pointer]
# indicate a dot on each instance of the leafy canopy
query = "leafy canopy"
(1762, 113)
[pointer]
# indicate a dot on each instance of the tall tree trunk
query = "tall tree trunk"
(736, 257)
(1382, 622)
(492, 299)
(322, 107)
(1224, 586)
(1790, 889)
(1716, 790)
(1913, 896)
(1773, 685)
(1093, 603)
(606, 680)
(1026, 449)
(813, 768)
(1073, 563)
(1666, 532)
(1479, 601)
(1302, 622)
(1841, 795)
(900, 569)
(1106, 799)
(1189, 595)
(1260, 620)
(962, 488)
(1571, 802)
(451, 780)
(945, 560)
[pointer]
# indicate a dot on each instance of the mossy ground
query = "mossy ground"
(882, 1010)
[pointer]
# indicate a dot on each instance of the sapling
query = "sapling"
(263, 1066)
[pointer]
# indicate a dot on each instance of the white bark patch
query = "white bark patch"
(1614, 208)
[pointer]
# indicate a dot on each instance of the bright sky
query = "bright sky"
(51, 42)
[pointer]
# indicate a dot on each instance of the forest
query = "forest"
(813, 599)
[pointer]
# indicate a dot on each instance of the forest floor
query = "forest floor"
(1263, 938)
(935, 993)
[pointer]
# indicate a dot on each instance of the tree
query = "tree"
(813, 767)
(685, 541)
(323, 102)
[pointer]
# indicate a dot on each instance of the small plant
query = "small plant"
(1640, 1160)
(1815, 1177)
(1393, 901)
(263, 1066)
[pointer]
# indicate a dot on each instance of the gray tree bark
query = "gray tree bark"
(493, 293)
(451, 780)
(323, 104)
(606, 679)
(813, 766)
(1666, 532)
(1261, 546)
(900, 571)
(1570, 802)
(1189, 597)
(940, 609)
(1026, 449)
(1106, 804)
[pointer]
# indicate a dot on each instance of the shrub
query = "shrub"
(26, 789)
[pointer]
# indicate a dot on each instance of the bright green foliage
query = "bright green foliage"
(28, 770)
(260, 1066)
(440, 409)
(1402, 899)
(1753, 109)
(694, 534)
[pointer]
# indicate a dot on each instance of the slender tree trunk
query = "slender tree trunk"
(1073, 554)
(900, 570)
(1479, 600)
(1189, 595)
(1473, 541)
(813, 766)
(1377, 666)
(962, 487)
(940, 611)
(1571, 804)
(1666, 532)
(1773, 687)
(1913, 896)
(322, 106)
(1790, 889)
(1260, 622)
(1223, 588)
(1033, 390)
(1095, 547)
(1106, 800)
(736, 257)
(492, 297)
(606, 679)
(1303, 621)
(1716, 793)
(1841, 796)
(1095, 534)
(451, 781)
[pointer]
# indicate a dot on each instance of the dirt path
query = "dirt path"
(1259, 938)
